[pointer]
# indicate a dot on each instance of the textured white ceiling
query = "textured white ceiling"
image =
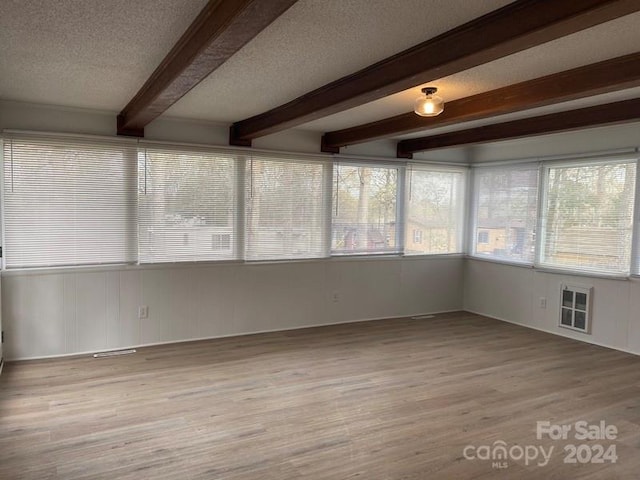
(97, 54)
(609, 40)
(316, 42)
(86, 53)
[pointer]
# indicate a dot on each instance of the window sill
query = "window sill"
(501, 261)
(166, 265)
(555, 271)
(580, 273)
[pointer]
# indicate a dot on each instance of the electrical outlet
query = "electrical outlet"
(143, 312)
(543, 302)
(335, 297)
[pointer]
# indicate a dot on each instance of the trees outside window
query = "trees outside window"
(364, 209)
(588, 216)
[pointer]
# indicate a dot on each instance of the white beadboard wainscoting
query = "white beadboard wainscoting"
(63, 313)
(512, 293)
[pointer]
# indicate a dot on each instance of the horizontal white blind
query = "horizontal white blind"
(588, 217)
(505, 216)
(364, 210)
(69, 201)
(434, 210)
(286, 209)
(187, 202)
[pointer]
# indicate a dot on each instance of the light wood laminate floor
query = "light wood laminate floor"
(386, 400)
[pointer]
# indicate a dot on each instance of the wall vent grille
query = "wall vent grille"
(575, 307)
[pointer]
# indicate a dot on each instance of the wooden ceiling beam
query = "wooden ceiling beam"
(517, 26)
(599, 115)
(221, 29)
(602, 77)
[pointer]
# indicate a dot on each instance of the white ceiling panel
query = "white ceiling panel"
(86, 53)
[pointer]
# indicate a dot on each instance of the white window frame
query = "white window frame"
(463, 215)
(237, 202)
(327, 184)
(635, 234)
(484, 234)
(542, 201)
(91, 141)
(399, 210)
(241, 156)
(473, 210)
(3, 266)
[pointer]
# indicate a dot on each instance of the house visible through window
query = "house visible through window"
(185, 200)
(435, 199)
(286, 203)
(78, 201)
(505, 216)
(221, 241)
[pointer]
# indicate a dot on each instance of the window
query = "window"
(220, 241)
(286, 209)
(72, 201)
(187, 206)
(69, 201)
(587, 217)
(435, 209)
(364, 210)
(505, 212)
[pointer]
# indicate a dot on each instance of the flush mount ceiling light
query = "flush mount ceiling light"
(430, 105)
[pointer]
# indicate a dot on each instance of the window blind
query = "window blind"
(587, 219)
(68, 201)
(286, 208)
(505, 212)
(364, 210)
(188, 207)
(434, 210)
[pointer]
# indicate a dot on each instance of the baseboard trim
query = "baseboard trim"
(199, 339)
(552, 332)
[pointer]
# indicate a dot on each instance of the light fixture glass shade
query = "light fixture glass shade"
(428, 105)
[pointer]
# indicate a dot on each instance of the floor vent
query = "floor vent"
(114, 353)
(422, 317)
(575, 307)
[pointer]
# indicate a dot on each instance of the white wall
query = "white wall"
(51, 118)
(512, 293)
(67, 312)
(58, 313)
(79, 311)
(567, 143)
